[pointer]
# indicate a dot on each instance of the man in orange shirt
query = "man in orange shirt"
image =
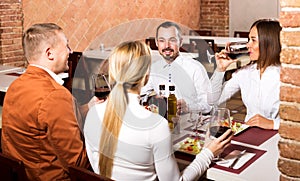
(39, 124)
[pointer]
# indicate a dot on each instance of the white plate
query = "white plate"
(240, 128)
(183, 145)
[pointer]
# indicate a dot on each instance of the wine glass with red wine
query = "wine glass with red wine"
(101, 85)
(236, 49)
(219, 123)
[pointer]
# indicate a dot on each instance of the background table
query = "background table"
(219, 41)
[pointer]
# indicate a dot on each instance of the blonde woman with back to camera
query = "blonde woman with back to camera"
(127, 142)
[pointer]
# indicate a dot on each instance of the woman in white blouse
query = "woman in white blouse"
(124, 141)
(259, 81)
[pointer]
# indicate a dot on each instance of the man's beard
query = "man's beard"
(169, 57)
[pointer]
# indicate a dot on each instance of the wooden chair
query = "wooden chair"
(151, 42)
(0, 137)
(241, 34)
(205, 49)
(82, 174)
(78, 74)
(11, 169)
(72, 63)
(200, 32)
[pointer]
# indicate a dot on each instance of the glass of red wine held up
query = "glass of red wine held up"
(235, 50)
(101, 85)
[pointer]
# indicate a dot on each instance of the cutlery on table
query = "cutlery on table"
(237, 158)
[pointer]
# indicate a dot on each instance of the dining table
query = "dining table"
(7, 76)
(5, 81)
(260, 162)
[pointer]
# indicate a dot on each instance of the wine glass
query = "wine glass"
(101, 86)
(236, 49)
(195, 118)
(219, 123)
(209, 56)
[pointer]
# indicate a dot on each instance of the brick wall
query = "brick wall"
(214, 16)
(84, 21)
(289, 145)
(11, 27)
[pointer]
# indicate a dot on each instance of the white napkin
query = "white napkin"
(229, 159)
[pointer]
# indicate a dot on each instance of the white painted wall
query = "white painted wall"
(242, 13)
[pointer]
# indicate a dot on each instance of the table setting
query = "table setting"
(250, 146)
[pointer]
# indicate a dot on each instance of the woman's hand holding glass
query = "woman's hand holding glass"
(219, 123)
(219, 130)
(218, 145)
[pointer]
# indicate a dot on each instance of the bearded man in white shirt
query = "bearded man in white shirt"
(189, 76)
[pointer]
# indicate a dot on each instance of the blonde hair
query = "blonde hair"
(128, 66)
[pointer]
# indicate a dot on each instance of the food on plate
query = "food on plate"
(236, 127)
(191, 145)
(153, 108)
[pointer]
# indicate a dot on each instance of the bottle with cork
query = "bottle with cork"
(162, 101)
(172, 104)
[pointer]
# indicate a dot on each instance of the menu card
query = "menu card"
(255, 136)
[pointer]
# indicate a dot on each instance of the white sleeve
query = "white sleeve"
(199, 165)
(165, 163)
(226, 90)
(275, 115)
(216, 84)
(203, 88)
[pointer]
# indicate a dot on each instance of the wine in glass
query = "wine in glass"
(236, 49)
(219, 123)
(101, 85)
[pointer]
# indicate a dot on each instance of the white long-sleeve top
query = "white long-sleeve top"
(189, 77)
(144, 150)
(259, 95)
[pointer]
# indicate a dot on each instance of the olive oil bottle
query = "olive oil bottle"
(172, 106)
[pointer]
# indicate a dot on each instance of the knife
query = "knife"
(237, 158)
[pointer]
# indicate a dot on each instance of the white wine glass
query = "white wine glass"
(209, 56)
(195, 118)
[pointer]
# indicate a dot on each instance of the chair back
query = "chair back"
(0, 135)
(11, 169)
(205, 49)
(200, 32)
(82, 174)
(241, 34)
(151, 43)
(72, 63)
